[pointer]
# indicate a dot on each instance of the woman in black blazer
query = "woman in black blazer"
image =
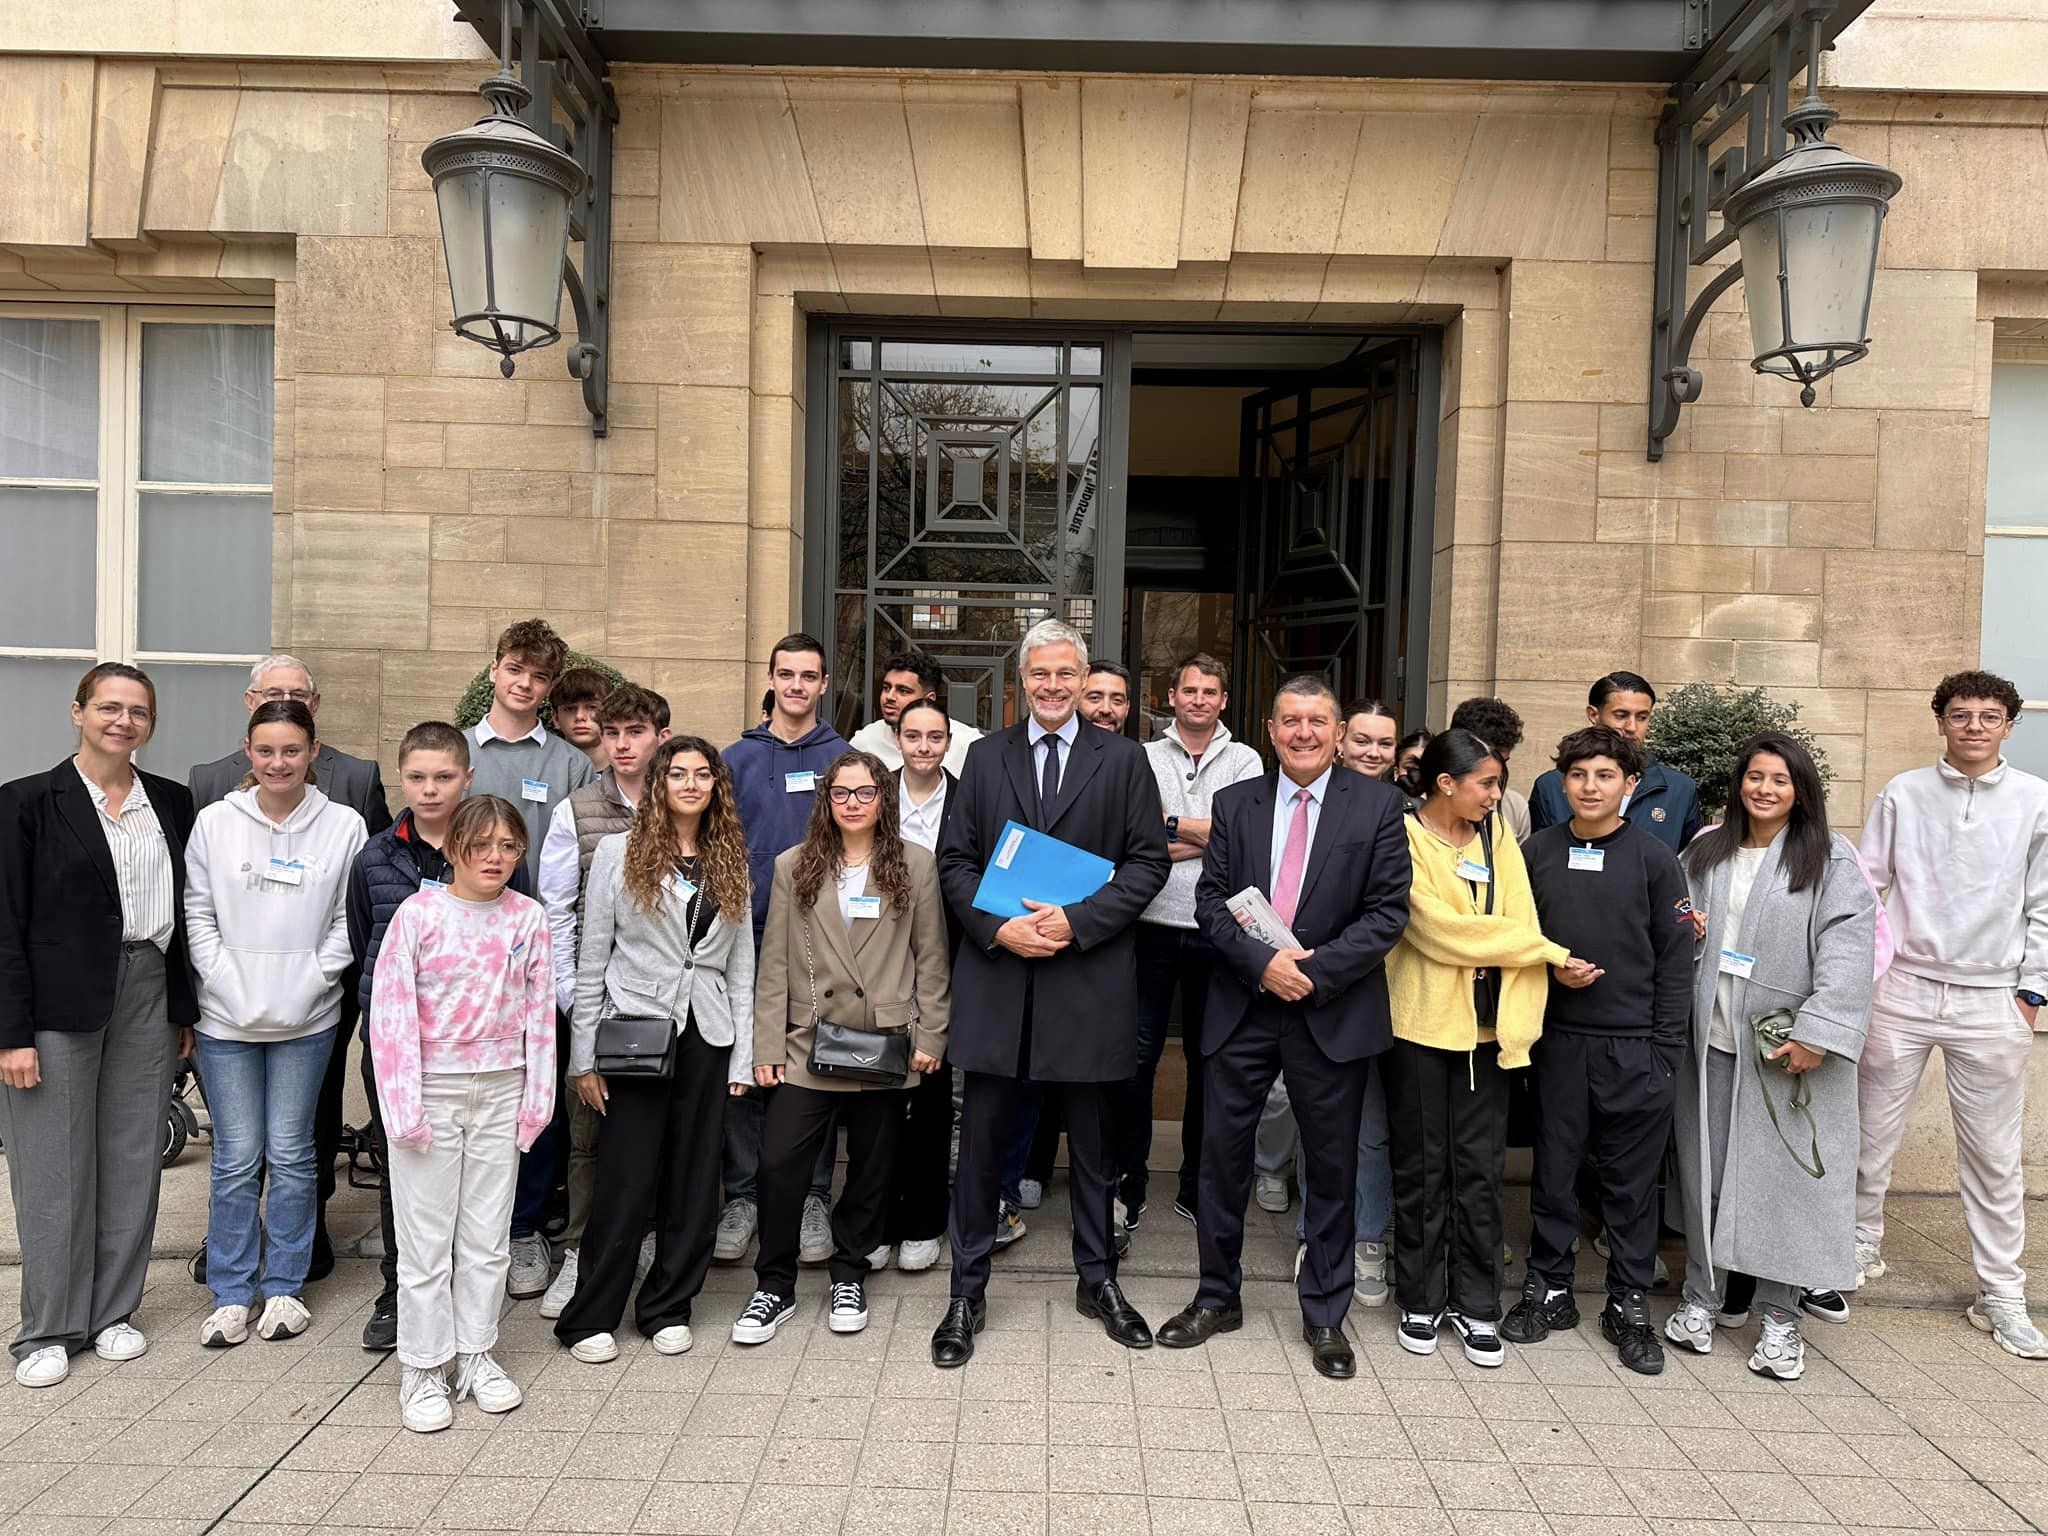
(96, 1007)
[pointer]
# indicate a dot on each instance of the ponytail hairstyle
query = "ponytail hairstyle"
(282, 712)
(1806, 834)
(1411, 782)
(1453, 753)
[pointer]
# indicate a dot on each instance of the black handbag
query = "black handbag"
(841, 1053)
(637, 1045)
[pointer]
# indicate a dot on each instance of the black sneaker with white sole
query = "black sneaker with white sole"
(1482, 1339)
(763, 1316)
(1828, 1306)
(1417, 1333)
(848, 1312)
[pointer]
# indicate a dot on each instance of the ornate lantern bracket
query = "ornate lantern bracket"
(1805, 213)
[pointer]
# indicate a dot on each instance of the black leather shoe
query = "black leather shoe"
(953, 1339)
(1196, 1324)
(1119, 1319)
(1331, 1352)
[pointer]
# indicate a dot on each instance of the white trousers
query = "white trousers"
(1984, 1045)
(451, 1207)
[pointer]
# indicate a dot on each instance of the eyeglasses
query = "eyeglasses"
(279, 695)
(1961, 719)
(109, 713)
(862, 794)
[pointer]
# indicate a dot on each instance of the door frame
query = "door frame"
(819, 514)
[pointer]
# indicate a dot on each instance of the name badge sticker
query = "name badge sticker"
(1472, 869)
(285, 871)
(429, 883)
(1735, 963)
(1590, 861)
(801, 783)
(864, 906)
(533, 789)
(683, 888)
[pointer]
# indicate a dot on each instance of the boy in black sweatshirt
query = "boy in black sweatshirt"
(1614, 1033)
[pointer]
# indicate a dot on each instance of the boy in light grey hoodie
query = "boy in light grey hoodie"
(1959, 854)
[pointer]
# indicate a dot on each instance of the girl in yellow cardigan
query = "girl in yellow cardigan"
(1468, 984)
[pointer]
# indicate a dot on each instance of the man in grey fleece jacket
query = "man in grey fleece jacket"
(1959, 854)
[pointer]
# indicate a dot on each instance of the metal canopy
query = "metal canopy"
(1585, 40)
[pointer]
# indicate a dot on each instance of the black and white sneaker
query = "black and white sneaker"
(1482, 1339)
(849, 1310)
(1417, 1332)
(1828, 1306)
(763, 1315)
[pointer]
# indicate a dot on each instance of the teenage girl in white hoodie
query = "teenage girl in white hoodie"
(266, 872)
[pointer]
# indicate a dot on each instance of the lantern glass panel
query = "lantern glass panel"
(461, 198)
(529, 235)
(1829, 254)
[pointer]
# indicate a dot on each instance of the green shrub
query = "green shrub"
(476, 698)
(1699, 728)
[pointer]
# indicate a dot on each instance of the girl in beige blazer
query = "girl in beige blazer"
(856, 934)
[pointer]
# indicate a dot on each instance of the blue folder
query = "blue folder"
(1030, 865)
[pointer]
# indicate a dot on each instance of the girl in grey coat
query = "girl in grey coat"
(1790, 924)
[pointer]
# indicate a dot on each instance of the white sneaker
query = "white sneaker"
(1270, 1191)
(595, 1350)
(814, 1237)
(922, 1253)
(530, 1265)
(673, 1340)
(45, 1368)
(646, 1260)
(423, 1405)
(849, 1311)
(483, 1379)
(563, 1290)
(735, 1230)
(1780, 1350)
(120, 1342)
(2005, 1319)
(879, 1258)
(1870, 1262)
(1691, 1327)
(226, 1326)
(1030, 1193)
(284, 1317)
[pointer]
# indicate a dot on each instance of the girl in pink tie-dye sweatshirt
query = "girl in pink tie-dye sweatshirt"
(462, 1034)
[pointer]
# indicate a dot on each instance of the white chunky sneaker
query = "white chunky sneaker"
(1780, 1349)
(1270, 1191)
(878, 1259)
(563, 1290)
(814, 1236)
(1692, 1327)
(1870, 1262)
(284, 1317)
(921, 1253)
(673, 1340)
(45, 1368)
(224, 1326)
(483, 1379)
(1030, 1193)
(596, 1350)
(2005, 1319)
(120, 1342)
(423, 1405)
(528, 1275)
(735, 1230)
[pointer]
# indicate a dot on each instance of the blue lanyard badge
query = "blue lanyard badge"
(801, 782)
(285, 871)
(1589, 860)
(534, 789)
(1473, 870)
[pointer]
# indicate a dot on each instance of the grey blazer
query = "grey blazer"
(643, 964)
(355, 782)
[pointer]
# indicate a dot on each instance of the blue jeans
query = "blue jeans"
(262, 1097)
(1374, 1202)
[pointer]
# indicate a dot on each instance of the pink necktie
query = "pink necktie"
(1287, 884)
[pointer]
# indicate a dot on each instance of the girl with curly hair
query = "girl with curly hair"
(667, 933)
(857, 938)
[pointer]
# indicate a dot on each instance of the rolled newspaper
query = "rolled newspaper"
(1255, 915)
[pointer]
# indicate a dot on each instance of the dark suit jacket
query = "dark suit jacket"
(1352, 910)
(1084, 1022)
(60, 906)
(355, 782)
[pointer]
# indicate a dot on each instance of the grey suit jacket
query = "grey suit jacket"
(355, 782)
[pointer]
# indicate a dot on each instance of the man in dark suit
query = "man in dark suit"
(1329, 851)
(356, 783)
(1051, 995)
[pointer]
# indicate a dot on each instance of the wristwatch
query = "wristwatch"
(2032, 999)
(1173, 829)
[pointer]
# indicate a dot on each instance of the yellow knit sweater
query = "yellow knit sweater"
(1429, 973)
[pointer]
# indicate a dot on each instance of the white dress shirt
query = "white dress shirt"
(142, 864)
(919, 824)
(1068, 733)
(1283, 818)
(485, 733)
(560, 882)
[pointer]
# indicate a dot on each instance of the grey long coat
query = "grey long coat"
(1814, 954)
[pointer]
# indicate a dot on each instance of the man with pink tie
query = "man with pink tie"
(1329, 852)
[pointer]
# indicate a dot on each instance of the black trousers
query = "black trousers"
(1328, 1097)
(1611, 1097)
(1447, 1118)
(327, 1110)
(798, 1122)
(924, 1155)
(988, 1113)
(1169, 959)
(658, 1147)
(388, 1296)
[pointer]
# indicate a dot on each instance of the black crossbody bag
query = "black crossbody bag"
(842, 1053)
(1486, 978)
(640, 1045)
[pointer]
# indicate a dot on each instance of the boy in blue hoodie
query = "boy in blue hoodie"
(775, 769)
